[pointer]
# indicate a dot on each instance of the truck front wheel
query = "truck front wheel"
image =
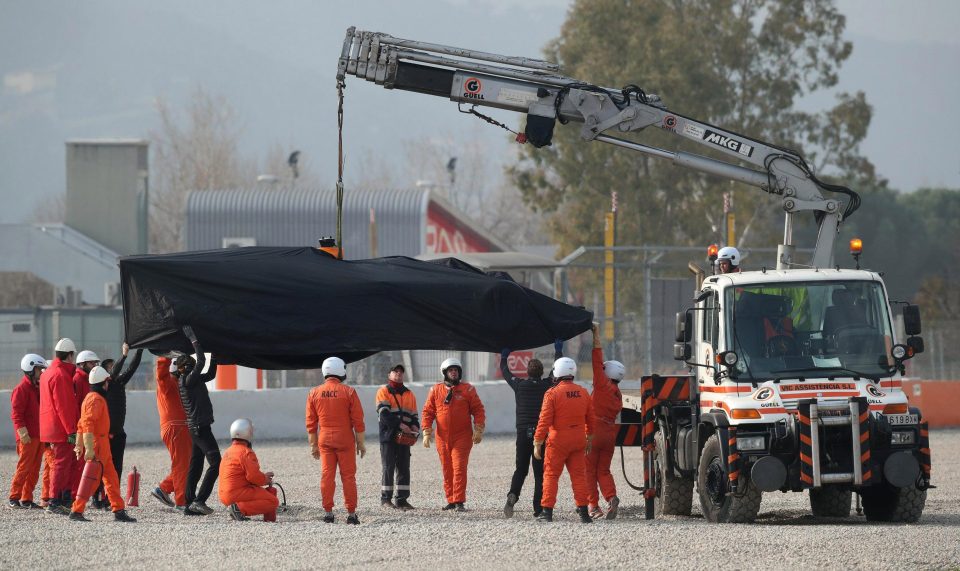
(674, 493)
(884, 502)
(713, 485)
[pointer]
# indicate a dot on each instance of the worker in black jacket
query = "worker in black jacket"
(529, 398)
(192, 383)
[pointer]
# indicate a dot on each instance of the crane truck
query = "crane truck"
(793, 371)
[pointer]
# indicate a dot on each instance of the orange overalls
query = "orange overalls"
(454, 432)
(241, 481)
(335, 410)
(25, 413)
(48, 459)
(94, 418)
(567, 414)
(607, 403)
(173, 432)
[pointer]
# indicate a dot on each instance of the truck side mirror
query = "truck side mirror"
(911, 319)
(684, 327)
(682, 351)
(915, 343)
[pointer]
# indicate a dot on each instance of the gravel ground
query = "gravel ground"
(785, 535)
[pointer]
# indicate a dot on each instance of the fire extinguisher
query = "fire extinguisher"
(90, 480)
(133, 488)
(272, 488)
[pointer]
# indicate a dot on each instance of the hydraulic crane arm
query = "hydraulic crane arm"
(536, 88)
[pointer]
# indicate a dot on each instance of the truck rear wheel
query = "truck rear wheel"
(830, 501)
(884, 502)
(674, 493)
(713, 485)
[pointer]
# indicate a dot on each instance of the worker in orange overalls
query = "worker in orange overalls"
(567, 419)
(93, 443)
(452, 403)
(333, 410)
(25, 414)
(241, 481)
(607, 402)
(175, 435)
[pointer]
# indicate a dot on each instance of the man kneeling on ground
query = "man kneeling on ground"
(241, 481)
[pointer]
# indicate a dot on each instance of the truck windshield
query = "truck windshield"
(809, 329)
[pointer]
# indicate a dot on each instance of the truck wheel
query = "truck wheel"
(713, 484)
(831, 501)
(674, 493)
(884, 502)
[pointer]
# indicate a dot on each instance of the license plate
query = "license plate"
(896, 419)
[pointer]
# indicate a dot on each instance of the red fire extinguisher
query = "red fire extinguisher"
(133, 488)
(272, 488)
(90, 480)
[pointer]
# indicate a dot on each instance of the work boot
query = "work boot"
(460, 507)
(13, 504)
(450, 506)
(328, 518)
(121, 515)
(236, 514)
(164, 498)
(352, 519)
(188, 511)
(508, 507)
(595, 512)
(201, 508)
(54, 507)
(546, 514)
(387, 504)
(613, 508)
(404, 505)
(28, 505)
(77, 516)
(584, 515)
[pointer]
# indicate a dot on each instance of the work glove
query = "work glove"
(504, 354)
(269, 476)
(538, 449)
(361, 445)
(589, 448)
(558, 348)
(24, 435)
(125, 349)
(72, 438)
(427, 434)
(477, 434)
(89, 452)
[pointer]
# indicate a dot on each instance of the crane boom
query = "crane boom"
(536, 88)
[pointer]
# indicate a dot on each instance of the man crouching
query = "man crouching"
(241, 481)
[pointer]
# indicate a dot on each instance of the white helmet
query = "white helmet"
(31, 360)
(98, 375)
(730, 254)
(334, 367)
(65, 345)
(242, 428)
(86, 357)
(614, 370)
(451, 362)
(564, 367)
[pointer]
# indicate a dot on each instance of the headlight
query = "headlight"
(746, 443)
(903, 437)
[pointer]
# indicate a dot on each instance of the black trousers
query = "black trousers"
(204, 447)
(524, 459)
(395, 459)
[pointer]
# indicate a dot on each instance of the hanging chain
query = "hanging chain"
(341, 85)
(521, 137)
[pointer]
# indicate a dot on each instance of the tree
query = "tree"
(198, 152)
(741, 64)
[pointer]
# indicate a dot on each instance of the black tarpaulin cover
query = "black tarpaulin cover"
(290, 308)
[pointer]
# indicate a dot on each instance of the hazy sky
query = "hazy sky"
(94, 69)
